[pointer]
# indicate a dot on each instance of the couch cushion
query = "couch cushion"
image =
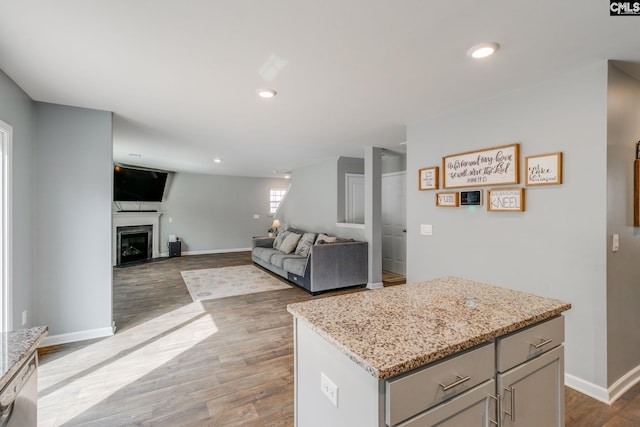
(278, 259)
(295, 265)
(280, 238)
(305, 243)
(289, 243)
(323, 238)
(265, 254)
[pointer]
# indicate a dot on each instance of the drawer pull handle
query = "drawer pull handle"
(497, 412)
(512, 414)
(455, 384)
(542, 343)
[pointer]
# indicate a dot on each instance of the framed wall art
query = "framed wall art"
(448, 199)
(490, 166)
(544, 169)
(505, 200)
(428, 178)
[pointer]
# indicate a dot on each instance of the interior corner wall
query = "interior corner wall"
(311, 203)
(72, 220)
(16, 109)
(623, 268)
(215, 213)
(557, 247)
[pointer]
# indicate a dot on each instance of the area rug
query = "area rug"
(212, 283)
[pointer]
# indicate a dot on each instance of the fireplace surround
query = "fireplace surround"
(130, 219)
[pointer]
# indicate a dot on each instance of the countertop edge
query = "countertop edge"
(42, 332)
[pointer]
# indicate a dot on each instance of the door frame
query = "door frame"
(6, 235)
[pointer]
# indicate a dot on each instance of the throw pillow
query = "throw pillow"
(323, 238)
(278, 240)
(289, 243)
(305, 243)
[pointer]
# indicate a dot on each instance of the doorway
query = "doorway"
(394, 222)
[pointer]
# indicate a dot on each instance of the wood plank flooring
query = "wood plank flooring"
(225, 362)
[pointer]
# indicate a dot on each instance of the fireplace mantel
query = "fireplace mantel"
(123, 219)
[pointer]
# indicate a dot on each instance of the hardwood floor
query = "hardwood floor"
(225, 362)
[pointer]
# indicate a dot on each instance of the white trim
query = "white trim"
(585, 387)
(350, 225)
(77, 336)
(124, 219)
(621, 386)
(209, 251)
(394, 173)
(377, 285)
(7, 228)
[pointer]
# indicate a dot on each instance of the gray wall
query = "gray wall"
(16, 109)
(556, 248)
(623, 268)
(72, 220)
(312, 203)
(215, 213)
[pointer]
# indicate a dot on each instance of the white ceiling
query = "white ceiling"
(181, 76)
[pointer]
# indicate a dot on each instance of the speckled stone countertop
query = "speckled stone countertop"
(393, 330)
(15, 347)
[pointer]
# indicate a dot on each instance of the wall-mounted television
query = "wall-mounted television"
(138, 185)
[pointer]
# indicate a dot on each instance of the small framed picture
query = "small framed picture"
(505, 200)
(448, 199)
(428, 178)
(544, 169)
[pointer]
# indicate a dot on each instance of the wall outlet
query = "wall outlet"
(329, 389)
(24, 317)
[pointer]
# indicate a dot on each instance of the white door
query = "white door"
(394, 222)
(354, 198)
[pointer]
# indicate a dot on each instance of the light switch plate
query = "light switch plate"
(615, 244)
(426, 229)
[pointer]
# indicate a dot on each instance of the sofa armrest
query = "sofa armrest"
(338, 265)
(262, 242)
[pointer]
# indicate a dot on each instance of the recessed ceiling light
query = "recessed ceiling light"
(483, 50)
(217, 160)
(287, 176)
(267, 93)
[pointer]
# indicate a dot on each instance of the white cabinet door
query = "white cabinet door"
(394, 223)
(474, 408)
(533, 392)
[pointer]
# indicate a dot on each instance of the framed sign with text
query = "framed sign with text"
(428, 178)
(448, 199)
(505, 200)
(491, 166)
(543, 169)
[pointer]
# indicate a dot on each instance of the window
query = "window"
(276, 195)
(5, 228)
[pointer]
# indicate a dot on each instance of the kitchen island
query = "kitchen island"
(440, 351)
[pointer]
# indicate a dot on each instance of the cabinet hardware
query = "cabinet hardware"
(497, 399)
(512, 414)
(542, 343)
(455, 384)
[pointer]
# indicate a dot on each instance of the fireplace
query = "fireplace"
(134, 243)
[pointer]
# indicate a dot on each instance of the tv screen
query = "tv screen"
(138, 185)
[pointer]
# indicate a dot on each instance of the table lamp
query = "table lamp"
(275, 225)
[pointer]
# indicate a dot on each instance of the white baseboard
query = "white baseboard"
(210, 251)
(585, 387)
(377, 285)
(77, 336)
(627, 381)
(602, 394)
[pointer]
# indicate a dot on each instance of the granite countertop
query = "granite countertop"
(393, 330)
(15, 348)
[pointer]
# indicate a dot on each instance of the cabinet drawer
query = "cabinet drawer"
(414, 392)
(524, 345)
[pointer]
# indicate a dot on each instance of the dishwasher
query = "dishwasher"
(19, 398)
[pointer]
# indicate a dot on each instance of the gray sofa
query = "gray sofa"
(318, 263)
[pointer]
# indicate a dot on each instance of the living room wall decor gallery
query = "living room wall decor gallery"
(543, 169)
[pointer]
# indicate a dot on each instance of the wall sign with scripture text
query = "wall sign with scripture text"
(491, 166)
(428, 178)
(448, 199)
(544, 169)
(505, 200)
